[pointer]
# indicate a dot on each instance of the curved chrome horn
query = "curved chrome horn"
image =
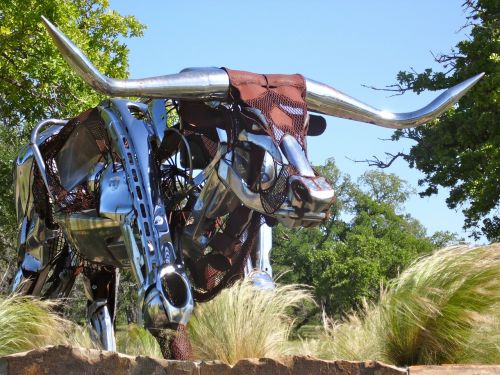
(329, 101)
(196, 84)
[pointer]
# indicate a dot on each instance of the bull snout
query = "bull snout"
(310, 194)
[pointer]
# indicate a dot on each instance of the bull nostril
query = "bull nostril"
(301, 192)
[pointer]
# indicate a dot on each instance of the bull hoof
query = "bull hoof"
(174, 343)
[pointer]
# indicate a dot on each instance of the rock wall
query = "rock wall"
(68, 361)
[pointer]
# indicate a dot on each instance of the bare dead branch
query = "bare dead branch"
(396, 88)
(376, 162)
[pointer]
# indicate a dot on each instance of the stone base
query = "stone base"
(68, 361)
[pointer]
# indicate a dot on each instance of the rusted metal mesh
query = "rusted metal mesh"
(180, 346)
(216, 271)
(284, 116)
(174, 342)
(79, 198)
(281, 100)
(273, 198)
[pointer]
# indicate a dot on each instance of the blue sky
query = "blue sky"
(343, 43)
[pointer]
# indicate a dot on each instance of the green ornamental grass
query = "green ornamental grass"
(28, 323)
(136, 340)
(445, 308)
(242, 322)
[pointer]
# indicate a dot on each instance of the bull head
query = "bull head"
(309, 196)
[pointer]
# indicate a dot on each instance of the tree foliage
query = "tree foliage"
(36, 83)
(461, 150)
(364, 243)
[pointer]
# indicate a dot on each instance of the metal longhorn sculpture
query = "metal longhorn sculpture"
(115, 188)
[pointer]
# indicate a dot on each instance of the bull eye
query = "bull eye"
(267, 172)
(241, 162)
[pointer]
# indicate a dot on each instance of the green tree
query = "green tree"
(364, 243)
(36, 83)
(461, 150)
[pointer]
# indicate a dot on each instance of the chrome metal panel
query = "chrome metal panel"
(268, 172)
(176, 314)
(196, 84)
(97, 239)
(291, 219)
(261, 280)
(316, 194)
(158, 113)
(23, 181)
(22, 234)
(322, 98)
(23, 173)
(36, 151)
(94, 176)
(265, 142)
(31, 263)
(264, 247)
(296, 156)
(17, 281)
(238, 186)
(134, 254)
(100, 319)
(36, 237)
(115, 201)
(77, 158)
(194, 240)
(121, 142)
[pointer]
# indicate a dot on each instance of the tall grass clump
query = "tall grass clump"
(242, 322)
(445, 308)
(135, 340)
(28, 323)
(357, 337)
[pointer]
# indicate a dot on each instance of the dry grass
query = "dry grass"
(135, 340)
(243, 322)
(445, 308)
(28, 323)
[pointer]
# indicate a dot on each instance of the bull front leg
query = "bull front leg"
(164, 296)
(258, 268)
(101, 287)
(46, 265)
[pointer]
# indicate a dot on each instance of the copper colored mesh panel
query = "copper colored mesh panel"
(281, 98)
(79, 198)
(210, 145)
(180, 346)
(284, 116)
(174, 342)
(215, 277)
(273, 198)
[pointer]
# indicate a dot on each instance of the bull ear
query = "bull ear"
(317, 125)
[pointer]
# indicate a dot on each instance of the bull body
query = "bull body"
(187, 207)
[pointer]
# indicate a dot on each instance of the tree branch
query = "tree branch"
(396, 88)
(376, 162)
